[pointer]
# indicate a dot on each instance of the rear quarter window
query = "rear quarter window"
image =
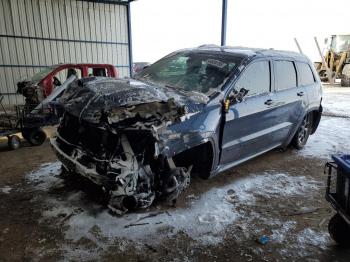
(285, 75)
(306, 75)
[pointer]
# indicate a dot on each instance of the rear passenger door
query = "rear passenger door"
(291, 98)
(308, 83)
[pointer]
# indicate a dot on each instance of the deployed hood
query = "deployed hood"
(98, 99)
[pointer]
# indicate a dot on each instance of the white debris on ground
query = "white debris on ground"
(205, 218)
(5, 189)
(333, 133)
(279, 234)
(311, 237)
(305, 240)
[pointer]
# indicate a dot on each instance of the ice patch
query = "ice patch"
(5, 189)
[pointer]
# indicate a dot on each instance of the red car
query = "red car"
(40, 85)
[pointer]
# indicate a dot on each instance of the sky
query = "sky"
(162, 26)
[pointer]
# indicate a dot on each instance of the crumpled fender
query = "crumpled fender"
(197, 129)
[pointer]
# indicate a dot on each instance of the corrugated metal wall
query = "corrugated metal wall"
(38, 33)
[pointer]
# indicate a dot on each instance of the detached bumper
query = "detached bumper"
(73, 165)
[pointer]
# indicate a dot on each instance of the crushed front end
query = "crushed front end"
(110, 134)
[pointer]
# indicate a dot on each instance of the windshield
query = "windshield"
(340, 43)
(192, 71)
(40, 75)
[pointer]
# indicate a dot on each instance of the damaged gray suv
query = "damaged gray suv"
(200, 110)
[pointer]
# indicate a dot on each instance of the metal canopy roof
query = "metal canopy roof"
(117, 2)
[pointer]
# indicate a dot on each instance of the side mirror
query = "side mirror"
(235, 97)
(238, 96)
(241, 94)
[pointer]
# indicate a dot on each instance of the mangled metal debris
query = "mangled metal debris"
(110, 134)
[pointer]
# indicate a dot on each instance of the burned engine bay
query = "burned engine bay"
(113, 133)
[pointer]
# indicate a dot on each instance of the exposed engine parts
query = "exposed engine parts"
(132, 179)
(116, 144)
(136, 183)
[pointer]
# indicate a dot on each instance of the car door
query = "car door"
(248, 124)
(291, 98)
(308, 84)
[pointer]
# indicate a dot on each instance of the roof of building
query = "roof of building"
(110, 1)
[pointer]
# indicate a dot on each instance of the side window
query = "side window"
(285, 75)
(62, 75)
(256, 78)
(306, 75)
(97, 71)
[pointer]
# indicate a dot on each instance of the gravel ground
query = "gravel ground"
(279, 196)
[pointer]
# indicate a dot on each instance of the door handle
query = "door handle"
(268, 102)
(300, 93)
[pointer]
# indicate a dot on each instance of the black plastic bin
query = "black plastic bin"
(338, 194)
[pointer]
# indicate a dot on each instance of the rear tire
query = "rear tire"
(339, 230)
(35, 136)
(14, 142)
(303, 133)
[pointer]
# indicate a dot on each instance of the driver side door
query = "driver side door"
(247, 127)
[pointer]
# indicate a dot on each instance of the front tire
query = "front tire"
(303, 133)
(339, 230)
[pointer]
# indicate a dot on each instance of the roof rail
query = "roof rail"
(208, 45)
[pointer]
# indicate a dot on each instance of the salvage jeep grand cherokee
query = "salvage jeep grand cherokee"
(199, 110)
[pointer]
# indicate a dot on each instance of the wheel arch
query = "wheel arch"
(316, 118)
(201, 156)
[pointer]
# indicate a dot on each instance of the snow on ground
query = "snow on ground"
(205, 219)
(5, 189)
(333, 133)
(336, 101)
(332, 136)
(46, 177)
